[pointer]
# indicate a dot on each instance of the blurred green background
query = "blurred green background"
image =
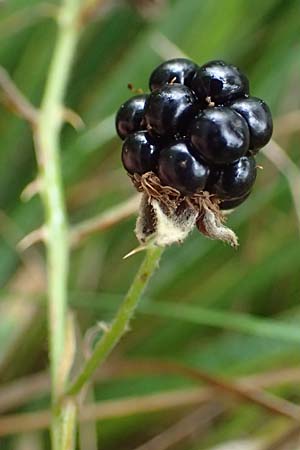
(260, 280)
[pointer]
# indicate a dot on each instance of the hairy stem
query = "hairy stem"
(121, 321)
(47, 133)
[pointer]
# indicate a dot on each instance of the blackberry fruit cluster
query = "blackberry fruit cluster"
(197, 132)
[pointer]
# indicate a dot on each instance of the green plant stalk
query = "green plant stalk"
(47, 134)
(68, 426)
(121, 321)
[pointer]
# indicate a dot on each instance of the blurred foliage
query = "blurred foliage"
(261, 279)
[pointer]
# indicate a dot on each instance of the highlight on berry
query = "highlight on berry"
(194, 135)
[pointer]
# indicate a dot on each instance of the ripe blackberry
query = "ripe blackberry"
(197, 132)
(178, 70)
(130, 117)
(178, 168)
(233, 203)
(140, 153)
(220, 135)
(259, 119)
(169, 109)
(235, 180)
(220, 82)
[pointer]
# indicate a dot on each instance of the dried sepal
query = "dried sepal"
(162, 225)
(167, 217)
(209, 224)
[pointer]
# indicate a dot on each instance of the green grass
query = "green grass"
(229, 312)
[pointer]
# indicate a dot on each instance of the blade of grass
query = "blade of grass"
(240, 322)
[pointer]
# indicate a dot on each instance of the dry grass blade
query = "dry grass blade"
(246, 392)
(196, 422)
(288, 168)
(287, 124)
(80, 232)
(155, 402)
(105, 220)
(18, 392)
(106, 410)
(243, 390)
(164, 47)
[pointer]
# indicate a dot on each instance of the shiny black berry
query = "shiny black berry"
(259, 119)
(130, 117)
(235, 180)
(233, 203)
(220, 82)
(220, 135)
(140, 153)
(178, 70)
(178, 168)
(169, 110)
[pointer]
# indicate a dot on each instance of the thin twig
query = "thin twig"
(121, 321)
(73, 118)
(16, 100)
(105, 220)
(38, 235)
(46, 136)
(31, 190)
(47, 147)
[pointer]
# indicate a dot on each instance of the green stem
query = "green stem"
(121, 320)
(47, 134)
(69, 426)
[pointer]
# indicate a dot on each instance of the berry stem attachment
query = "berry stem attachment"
(46, 135)
(121, 321)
